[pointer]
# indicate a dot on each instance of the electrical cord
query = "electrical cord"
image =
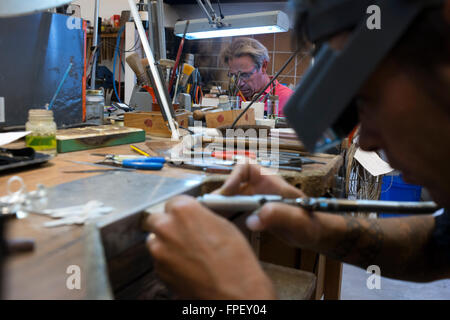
(116, 51)
(220, 10)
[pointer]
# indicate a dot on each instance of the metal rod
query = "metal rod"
(95, 43)
(345, 205)
(161, 29)
(202, 6)
(251, 203)
(151, 61)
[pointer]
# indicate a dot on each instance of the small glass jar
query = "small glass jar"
(224, 103)
(95, 105)
(235, 102)
(273, 106)
(43, 131)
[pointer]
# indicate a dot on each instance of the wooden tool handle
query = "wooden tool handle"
(201, 114)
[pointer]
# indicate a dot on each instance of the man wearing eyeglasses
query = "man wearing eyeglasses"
(247, 60)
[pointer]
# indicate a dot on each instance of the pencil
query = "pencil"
(139, 151)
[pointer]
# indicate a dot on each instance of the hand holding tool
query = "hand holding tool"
(235, 204)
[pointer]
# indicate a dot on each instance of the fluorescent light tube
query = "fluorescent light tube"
(236, 25)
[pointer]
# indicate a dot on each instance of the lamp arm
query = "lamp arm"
(213, 12)
(211, 16)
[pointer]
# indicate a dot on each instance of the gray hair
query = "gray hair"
(245, 47)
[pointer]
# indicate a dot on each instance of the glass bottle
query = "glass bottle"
(43, 131)
(235, 102)
(95, 105)
(273, 106)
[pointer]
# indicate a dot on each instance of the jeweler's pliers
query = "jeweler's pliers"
(144, 163)
(135, 162)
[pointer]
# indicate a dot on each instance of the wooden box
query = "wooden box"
(220, 118)
(153, 122)
(76, 139)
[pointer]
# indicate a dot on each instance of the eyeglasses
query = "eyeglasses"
(243, 75)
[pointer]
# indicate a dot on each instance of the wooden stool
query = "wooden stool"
(290, 283)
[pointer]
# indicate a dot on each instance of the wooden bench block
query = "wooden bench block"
(77, 139)
(220, 118)
(153, 122)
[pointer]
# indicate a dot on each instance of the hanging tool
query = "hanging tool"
(235, 204)
(177, 61)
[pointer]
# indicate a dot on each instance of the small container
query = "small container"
(235, 102)
(272, 106)
(224, 103)
(43, 131)
(95, 105)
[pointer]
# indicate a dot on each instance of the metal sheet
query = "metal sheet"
(36, 51)
(129, 194)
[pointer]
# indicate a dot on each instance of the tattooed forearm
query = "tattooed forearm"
(372, 245)
(402, 247)
(351, 237)
(361, 243)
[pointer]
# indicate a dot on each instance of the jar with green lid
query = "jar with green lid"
(95, 105)
(43, 131)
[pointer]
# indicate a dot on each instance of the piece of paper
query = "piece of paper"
(372, 162)
(9, 137)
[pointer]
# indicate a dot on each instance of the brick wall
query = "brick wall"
(213, 71)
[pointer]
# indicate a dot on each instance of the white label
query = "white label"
(372, 162)
(2, 109)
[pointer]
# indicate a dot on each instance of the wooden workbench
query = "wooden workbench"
(43, 273)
